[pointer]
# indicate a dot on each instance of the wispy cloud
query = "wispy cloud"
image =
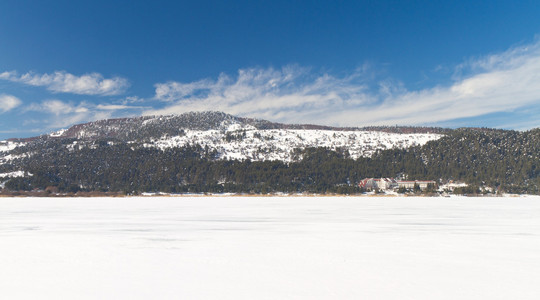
(62, 113)
(132, 99)
(61, 81)
(8, 102)
(496, 83)
(118, 107)
(57, 107)
(266, 93)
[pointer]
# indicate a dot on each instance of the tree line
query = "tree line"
(502, 159)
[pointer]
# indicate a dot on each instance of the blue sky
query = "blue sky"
(344, 63)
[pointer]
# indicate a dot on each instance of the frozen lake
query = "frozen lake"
(270, 248)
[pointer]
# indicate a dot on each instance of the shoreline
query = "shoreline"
(277, 195)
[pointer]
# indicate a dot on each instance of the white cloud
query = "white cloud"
(61, 81)
(132, 99)
(58, 107)
(495, 83)
(63, 114)
(78, 118)
(266, 93)
(117, 107)
(66, 113)
(8, 102)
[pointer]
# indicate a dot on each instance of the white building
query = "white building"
(391, 183)
(422, 184)
(378, 183)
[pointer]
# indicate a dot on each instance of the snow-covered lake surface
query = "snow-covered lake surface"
(270, 248)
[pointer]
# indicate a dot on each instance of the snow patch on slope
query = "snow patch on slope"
(6, 146)
(16, 174)
(58, 133)
(240, 141)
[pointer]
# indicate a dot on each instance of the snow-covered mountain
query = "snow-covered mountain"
(231, 137)
(217, 152)
(246, 142)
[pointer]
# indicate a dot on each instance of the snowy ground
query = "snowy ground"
(277, 144)
(270, 248)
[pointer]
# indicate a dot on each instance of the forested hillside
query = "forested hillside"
(506, 160)
(497, 158)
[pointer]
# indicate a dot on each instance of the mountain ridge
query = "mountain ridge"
(216, 152)
(196, 121)
(232, 137)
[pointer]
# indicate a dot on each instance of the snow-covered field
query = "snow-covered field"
(270, 248)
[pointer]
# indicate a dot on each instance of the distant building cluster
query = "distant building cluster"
(391, 184)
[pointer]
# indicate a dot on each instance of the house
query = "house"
(368, 184)
(406, 184)
(386, 183)
(391, 183)
(451, 185)
(378, 183)
(422, 184)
